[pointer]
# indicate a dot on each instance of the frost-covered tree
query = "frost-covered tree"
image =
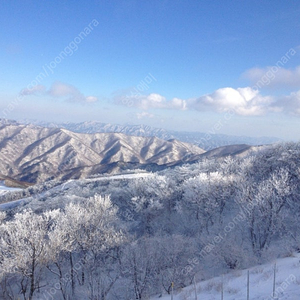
(138, 266)
(84, 232)
(267, 219)
(151, 197)
(2, 216)
(204, 199)
(24, 248)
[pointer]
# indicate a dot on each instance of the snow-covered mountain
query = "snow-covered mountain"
(178, 229)
(205, 140)
(32, 153)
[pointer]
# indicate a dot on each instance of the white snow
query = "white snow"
(118, 177)
(261, 284)
(70, 182)
(5, 189)
(12, 204)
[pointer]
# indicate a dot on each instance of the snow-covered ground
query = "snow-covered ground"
(261, 284)
(5, 189)
(103, 178)
(12, 204)
(120, 176)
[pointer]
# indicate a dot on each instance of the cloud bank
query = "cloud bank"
(273, 77)
(288, 104)
(245, 101)
(60, 90)
(37, 89)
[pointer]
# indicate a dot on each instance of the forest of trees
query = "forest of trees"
(130, 239)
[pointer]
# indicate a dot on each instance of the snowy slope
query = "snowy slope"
(34, 200)
(35, 154)
(261, 283)
(206, 140)
(5, 189)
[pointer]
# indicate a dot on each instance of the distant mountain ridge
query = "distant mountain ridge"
(206, 141)
(31, 153)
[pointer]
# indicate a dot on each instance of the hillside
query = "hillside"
(261, 280)
(205, 140)
(33, 154)
(133, 235)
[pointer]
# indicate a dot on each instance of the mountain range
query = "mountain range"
(205, 140)
(32, 153)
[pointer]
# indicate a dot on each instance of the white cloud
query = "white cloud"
(151, 101)
(274, 77)
(91, 99)
(60, 90)
(37, 89)
(155, 101)
(144, 114)
(177, 103)
(244, 101)
(155, 98)
(288, 104)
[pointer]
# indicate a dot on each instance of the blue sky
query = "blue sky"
(225, 66)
